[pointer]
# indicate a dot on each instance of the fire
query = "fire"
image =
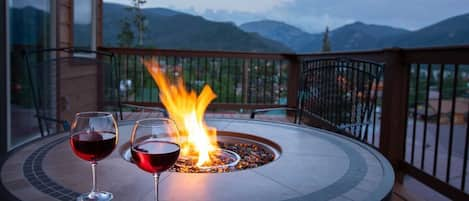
(187, 110)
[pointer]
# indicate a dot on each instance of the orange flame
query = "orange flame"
(187, 110)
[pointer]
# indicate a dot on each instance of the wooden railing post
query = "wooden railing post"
(394, 109)
(293, 79)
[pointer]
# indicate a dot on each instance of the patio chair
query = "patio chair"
(42, 67)
(338, 94)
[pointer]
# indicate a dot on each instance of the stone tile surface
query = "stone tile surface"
(312, 164)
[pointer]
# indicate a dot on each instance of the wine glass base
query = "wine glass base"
(95, 196)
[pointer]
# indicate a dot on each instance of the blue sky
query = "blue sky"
(309, 15)
(314, 15)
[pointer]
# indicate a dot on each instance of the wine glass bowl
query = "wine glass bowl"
(155, 156)
(93, 136)
(154, 146)
(93, 146)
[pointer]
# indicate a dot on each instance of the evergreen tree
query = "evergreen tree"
(137, 23)
(126, 36)
(139, 20)
(326, 45)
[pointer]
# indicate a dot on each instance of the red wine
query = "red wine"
(155, 156)
(93, 146)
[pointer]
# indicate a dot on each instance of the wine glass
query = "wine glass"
(93, 136)
(154, 146)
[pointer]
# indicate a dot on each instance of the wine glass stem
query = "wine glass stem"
(93, 172)
(156, 177)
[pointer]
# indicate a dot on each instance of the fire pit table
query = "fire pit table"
(308, 164)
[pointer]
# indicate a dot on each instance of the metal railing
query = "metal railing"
(408, 127)
(343, 92)
(412, 133)
(240, 80)
(437, 135)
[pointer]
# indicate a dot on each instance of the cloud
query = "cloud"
(410, 14)
(314, 15)
(201, 6)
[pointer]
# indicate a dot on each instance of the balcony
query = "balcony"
(419, 120)
(420, 123)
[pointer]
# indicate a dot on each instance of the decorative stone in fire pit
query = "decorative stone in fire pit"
(309, 164)
(237, 152)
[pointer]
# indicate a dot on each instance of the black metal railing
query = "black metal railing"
(343, 92)
(240, 80)
(437, 129)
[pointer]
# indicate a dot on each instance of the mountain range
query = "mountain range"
(171, 29)
(361, 36)
(177, 30)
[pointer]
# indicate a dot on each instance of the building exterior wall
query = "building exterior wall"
(99, 23)
(78, 85)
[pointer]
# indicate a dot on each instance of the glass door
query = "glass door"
(29, 26)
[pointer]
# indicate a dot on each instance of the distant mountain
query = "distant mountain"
(29, 25)
(122, 10)
(238, 17)
(160, 11)
(361, 36)
(174, 30)
(294, 37)
(452, 31)
(349, 37)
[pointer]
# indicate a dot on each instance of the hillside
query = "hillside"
(452, 31)
(349, 37)
(171, 29)
(174, 30)
(361, 36)
(30, 22)
(296, 38)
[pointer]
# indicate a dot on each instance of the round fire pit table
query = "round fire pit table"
(311, 164)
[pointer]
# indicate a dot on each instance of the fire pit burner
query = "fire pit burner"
(238, 151)
(223, 161)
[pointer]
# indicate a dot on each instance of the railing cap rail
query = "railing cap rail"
(438, 54)
(214, 53)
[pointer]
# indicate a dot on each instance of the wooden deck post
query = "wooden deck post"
(293, 81)
(394, 109)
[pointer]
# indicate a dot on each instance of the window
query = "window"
(84, 24)
(29, 28)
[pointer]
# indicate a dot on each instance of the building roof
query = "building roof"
(461, 106)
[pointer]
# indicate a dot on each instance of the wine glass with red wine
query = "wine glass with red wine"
(154, 146)
(93, 136)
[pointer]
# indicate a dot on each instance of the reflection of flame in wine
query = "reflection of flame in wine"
(187, 110)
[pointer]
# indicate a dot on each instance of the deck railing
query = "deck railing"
(241, 80)
(422, 116)
(437, 137)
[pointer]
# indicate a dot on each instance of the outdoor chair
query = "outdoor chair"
(338, 94)
(46, 68)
